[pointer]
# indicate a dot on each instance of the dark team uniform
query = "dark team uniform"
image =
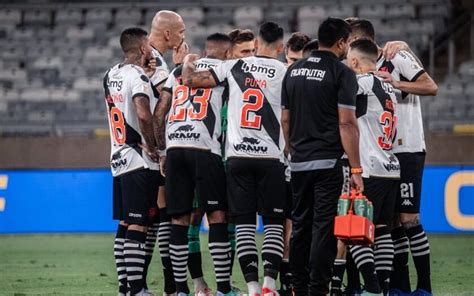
(313, 90)
(409, 145)
(135, 175)
(193, 153)
(254, 142)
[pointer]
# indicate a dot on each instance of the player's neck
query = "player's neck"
(159, 45)
(267, 52)
(133, 59)
(330, 49)
(367, 69)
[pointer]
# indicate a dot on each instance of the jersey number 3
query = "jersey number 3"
(389, 123)
(245, 120)
(181, 95)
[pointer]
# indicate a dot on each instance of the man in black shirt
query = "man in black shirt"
(319, 125)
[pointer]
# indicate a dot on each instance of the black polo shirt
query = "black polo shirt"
(313, 90)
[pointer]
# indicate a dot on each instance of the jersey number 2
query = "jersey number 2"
(245, 120)
(118, 125)
(181, 95)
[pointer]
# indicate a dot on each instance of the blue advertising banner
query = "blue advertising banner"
(39, 201)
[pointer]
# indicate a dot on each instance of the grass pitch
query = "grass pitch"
(84, 265)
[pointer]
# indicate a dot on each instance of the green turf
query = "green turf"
(84, 265)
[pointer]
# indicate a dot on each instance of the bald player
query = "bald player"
(243, 43)
(167, 33)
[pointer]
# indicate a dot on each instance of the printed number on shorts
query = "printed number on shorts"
(246, 118)
(181, 95)
(406, 190)
(389, 123)
(117, 125)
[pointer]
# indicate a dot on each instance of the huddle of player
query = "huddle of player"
(215, 127)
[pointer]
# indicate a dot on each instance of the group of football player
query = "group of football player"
(238, 133)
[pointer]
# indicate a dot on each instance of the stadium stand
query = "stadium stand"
(53, 56)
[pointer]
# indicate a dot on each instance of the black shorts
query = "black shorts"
(190, 172)
(256, 185)
(383, 195)
(411, 174)
(135, 197)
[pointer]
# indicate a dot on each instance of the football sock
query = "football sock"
(120, 259)
(337, 274)
(285, 274)
(219, 246)
(134, 253)
(247, 248)
(383, 255)
(151, 235)
(353, 278)
(164, 232)
(420, 251)
(179, 256)
(364, 260)
(194, 260)
(400, 277)
(272, 249)
(231, 232)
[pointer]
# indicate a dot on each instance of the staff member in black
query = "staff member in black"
(319, 124)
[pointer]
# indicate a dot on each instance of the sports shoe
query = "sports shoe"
(398, 292)
(204, 292)
(269, 292)
(144, 292)
(285, 290)
(420, 292)
(236, 290)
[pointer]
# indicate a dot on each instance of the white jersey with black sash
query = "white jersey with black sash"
(194, 120)
(254, 107)
(410, 135)
(376, 116)
(122, 84)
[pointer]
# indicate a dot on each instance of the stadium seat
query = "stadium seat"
(129, 16)
(191, 15)
(372, 11)
(441, 9)
(87, 83)
(219, 16)
(37, 17)
(248, 16)
(80, 34)
(342, 10)
(401, 10)
(309, 18)
(70, 17)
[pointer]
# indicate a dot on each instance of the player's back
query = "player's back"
(410, 136)
(254, 108)
(376, 117)
(194, 119)
(122, 83)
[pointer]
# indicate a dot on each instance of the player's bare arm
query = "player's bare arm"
(164, 105)
(391, 48)
(349, 132)
(422, 86)
(193, 78)
(285, 125)
(145, 121)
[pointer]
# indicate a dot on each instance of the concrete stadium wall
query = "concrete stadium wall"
(51, 152)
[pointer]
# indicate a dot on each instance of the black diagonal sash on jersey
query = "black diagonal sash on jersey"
(210, 119)
(269, 120)
(132, 138)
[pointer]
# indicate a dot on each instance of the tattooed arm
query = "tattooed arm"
(194, 79)
(164, 105)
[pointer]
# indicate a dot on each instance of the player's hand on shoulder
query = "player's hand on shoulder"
(190, 58)
(180, 52)
(387, 77)
(150, 68)
(391, 48)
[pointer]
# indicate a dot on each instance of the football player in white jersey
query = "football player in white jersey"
(376, 113)
(243, 43)
(130, 101)
(167, 32)
(193, 164)
(254, 150)
(410, 81)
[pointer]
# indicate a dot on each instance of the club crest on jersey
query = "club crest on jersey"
(252, 68)
(184, 132)
(251, 145)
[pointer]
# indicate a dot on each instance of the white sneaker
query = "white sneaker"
(144, 292)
